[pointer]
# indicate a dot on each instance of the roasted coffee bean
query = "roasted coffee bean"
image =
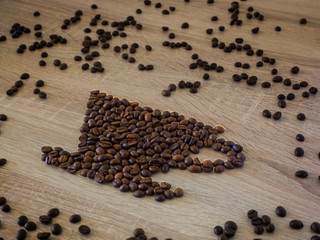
(252, 214)
(299, 152)
(3, 161)
(277, 115)
(43, 235)
(229, 232)
(182, 84)
(290, 96)
(266, 113)
(313, 90)
(165, 93)
(172, 87)
(266, 220)
(45, 219)
(138, 194)
(194, 169)
(218, 230)
(75, 218)
(315, 227)
(22, 220)
(258, 230)
(296, 224)
(277, 29)
(256, 221)
(300, 137)
(301, 174)
(138, 232)
(160, 198)
(178, 192)
(305, 94)
(30, 226)
(301, 117)
(53, 212)
(42, 95)
(21, 234)
(231, 224)
(24, 76)
(282, 103)
(3, 201)
(56, 229)
(270, 228)
(84, 229)
(287, 82)
(39, 83)
(281, 211)
(303, 21)
(5, 208)
(255, 30)
(193, 90)
(57, 62)
(315, 237)
(252, 80)
(18, 83)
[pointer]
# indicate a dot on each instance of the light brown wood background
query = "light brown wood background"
(267, 179)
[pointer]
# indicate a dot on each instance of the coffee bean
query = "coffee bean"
(22, 220)
(231, 224)
(3, 201)
(315, 227)
(274, 71)
(36, 14)
(266, 220)
(21, 234)
(296, 224)
(221, 28)
(218, 230)
(255, 30)
(270, 228)
(303, 21)
(138, 194)
(299, 152)
(56, 229)
(258, 230)
(277, 115)
(43, 235)
(194, 169)
(18, 83)
(252, 80)
(182, 84)
(45, 219)
(6, 208)
(42, 95)
(313, 90)
(63, 66)
(160, 198)
(53, 212)
(305, 94)
(295, 70)
(277, 29)
(24, 76)
(3, 161)
(39, 83)
(300, 137)
(277, 79)
(256, 221)
(229, 232)
(301, 174)
(223, 237)
(315, 237)
(75, 218)
(178, 192)
(165, 93)
(291, 96)
(281, 211)
(84, 229)
(30, 226)
(193, 90)
(172, 87)
(252, 214)
(57, 62)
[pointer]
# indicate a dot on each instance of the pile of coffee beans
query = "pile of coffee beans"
(229, 231)
(260, 224)
(124, 144)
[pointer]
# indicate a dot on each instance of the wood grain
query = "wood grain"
(266, 181)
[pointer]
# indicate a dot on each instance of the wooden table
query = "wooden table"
(268, 177)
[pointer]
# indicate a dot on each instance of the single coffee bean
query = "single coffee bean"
(296, 224)
(302, 174)
(24, 76)
(39, 83)
(287, 82)
(305, 94)
(160, 197)
(178, 192)
(56, 229)
(3, 201)
(138, 232)
(301, 117)
(303, 21)
(277, 29)
(218, 230)
(231, 224)
(6, 208)
(30, 226)
(57, 62)
(282, 103)
(182, 84)
(45, 219)
(281, 97)
(291, 96)
(44, 54)
(313, 90)
(193, 90)
(252, 214)
(258, 230)
(21, 234)
(315, 227)
(172, 87)
(84, 229)
(299, 152)
(266, 220)
(266, 85)
(42, 95)
(296, 86)
(138, 194)
(165, 93)
(300, 137)
(75, 218)
(315, 237)
(295, 70)
(43, 235)
(22, 220)
(255, 30)
(3, 161)
(281, 211)
(270, 228)
(53, 212)
(277, 115)
(229, 232)
(256, 221)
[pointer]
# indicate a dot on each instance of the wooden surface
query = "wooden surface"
(267, 179)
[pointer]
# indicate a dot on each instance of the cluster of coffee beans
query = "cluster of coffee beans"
(139, 234)
(47, 219)
(124, 143)
(259, 223)
(229, 231)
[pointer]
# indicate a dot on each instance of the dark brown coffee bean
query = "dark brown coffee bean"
(56, 229)
(295, 70)
(182, 84)
(24, 76)
(255, 30)
(44, 219)
(43, 235)
(165, 93)
(194, 169)
(258, 230)
(252, 214)
(315, 237)
(21, 234)
(138, 232)
(84, 229)
(39, 83)
(75, 218)
(178, 192)
(296, 224)
(301, 117)
(223, 237)
(3, 161)
(315, 227)
(30, 226)
(42, 95)
(299, 152)
(270, 228)
(266, 220)
(302, 174)
(229, 232)
(53, 212)
(300, 137)
(231, 224)
(22, 220)
(57, 62)
(160, 198)
(277, 115)
(3, 201)
(256, 221)
(313, 90)
(282, 103)
(303, 21)
(172, 87)
(6, 208)
(281, 211)
(138, 193)
(266, 85)
(266, 113)
(218, 230)
(169, 194)
(290, 96)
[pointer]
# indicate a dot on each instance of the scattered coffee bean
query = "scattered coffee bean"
(277, 115)
(22, 220)
(266, 220)
(53, 212)
(295, 70)
(44, 219)
(36, 91)
(218, 230)
(165, 93)
(57, 62)
(182, 84)
(75, 218)
(296, 224)
(84, 229)
(282, 103)
(300, 137)
(39, 83)
(301, 117)
(6, 208)
(252, 214)
(287, 82)
(303, 21)
(315, 227)
(299, 152)
(305, 94)
(24, 76)
(178, 192)
(255, 30)
(172, 87)
(266, 85)
(30, 226)
(56, 229)
(277, 29)
(3, 201)
(313, 90)
(270, 228)
(291, 96)
(301, 174)
(258, 229)
(266, 113)
(21, 234)
(281, 211)
(43, 235)
(36, 14)
(42, 95)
